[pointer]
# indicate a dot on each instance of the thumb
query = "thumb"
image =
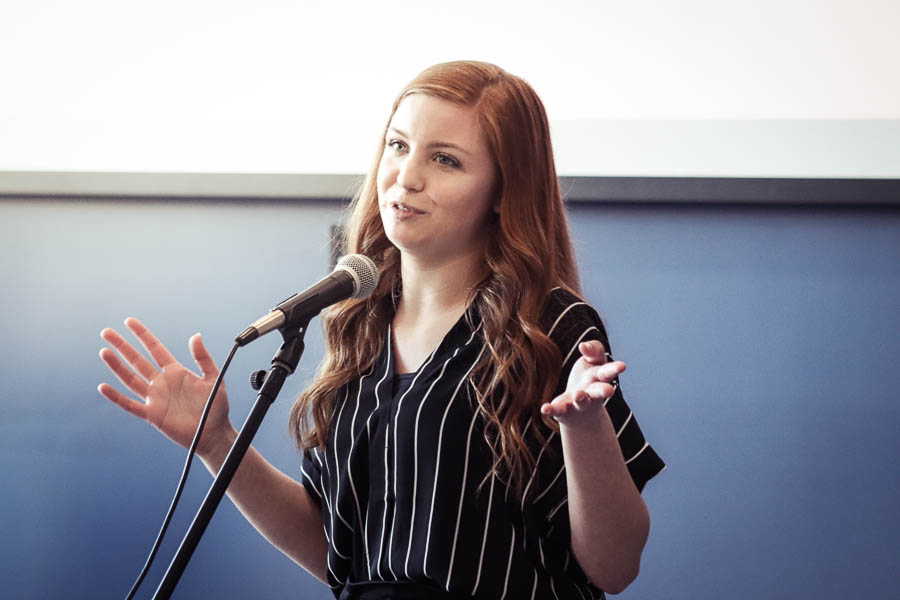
(202, 356)
(593, 352)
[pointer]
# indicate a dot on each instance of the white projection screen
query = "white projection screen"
(691, 89)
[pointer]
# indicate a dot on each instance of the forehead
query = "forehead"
(430, 119)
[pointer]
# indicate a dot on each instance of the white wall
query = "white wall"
(696, 87)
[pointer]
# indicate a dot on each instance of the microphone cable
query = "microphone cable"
(184, 474)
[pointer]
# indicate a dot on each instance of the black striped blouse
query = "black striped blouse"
(402, 480)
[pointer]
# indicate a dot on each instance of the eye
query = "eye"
(396, 145)
(446, 160)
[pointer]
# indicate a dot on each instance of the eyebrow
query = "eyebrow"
(433, 144)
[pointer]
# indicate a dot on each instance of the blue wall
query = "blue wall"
(762, 344)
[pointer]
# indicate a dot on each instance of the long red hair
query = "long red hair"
(528, 253)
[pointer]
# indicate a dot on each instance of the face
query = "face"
(435, 179)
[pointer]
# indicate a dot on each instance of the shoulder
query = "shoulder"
(567, 318)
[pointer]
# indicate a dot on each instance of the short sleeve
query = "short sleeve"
(311, 471)
(568, 320)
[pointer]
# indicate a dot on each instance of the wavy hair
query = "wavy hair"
(528, 253)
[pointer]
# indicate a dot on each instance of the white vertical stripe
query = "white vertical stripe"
(508, 487)
(562, 314)
(412, 519)
(396, 419)
(397, 414)
(536, 464)
(312, 484)
(638, 453)
(331, 570)
(350, 471)
(337, 467)
(622, 428)
(615, 387)
(549, 487)
(332, 505)
(325, 458)
(534, 586)
(574, 347)
(556, 510)
(387, 432)
(326, 497)
(487, 522)
(437, 467)
(512, 545)
(462, 495)
(387, 368)
(553, 587)
(578, 589)
(336, 551)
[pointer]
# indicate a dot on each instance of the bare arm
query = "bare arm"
(171, 398)
(276, 505)
(608, 517)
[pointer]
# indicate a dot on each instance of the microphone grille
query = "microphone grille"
(363, 271)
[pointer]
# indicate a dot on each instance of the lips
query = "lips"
(403, 207)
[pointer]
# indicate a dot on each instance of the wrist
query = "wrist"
(588, 420)
(213, 450)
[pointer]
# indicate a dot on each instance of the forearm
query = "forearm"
(609, 520)
(276, 505)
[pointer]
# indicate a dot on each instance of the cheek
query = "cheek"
(383, 176)
(470, 217)
(479, 203)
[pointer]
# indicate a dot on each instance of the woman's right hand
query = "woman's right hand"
(171, 396)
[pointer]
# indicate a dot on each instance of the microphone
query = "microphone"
(355, 276)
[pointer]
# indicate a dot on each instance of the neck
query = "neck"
(435, 288)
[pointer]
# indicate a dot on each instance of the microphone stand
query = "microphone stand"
(283, 364)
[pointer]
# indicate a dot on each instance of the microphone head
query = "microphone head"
(362, 270)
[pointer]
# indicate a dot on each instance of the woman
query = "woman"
(465, 435)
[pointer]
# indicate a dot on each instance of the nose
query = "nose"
(410, 175)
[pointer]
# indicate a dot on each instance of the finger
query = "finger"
(139, 409)
(128, 378)
(578, 401)
(202, 357)
(160, 353)
(593, 351)
(609, 371)
(559, 406)
(600, 390)
(553, 411)
(134, 358)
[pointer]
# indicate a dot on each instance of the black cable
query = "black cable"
(184, 474)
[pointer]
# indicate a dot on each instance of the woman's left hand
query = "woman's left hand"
(591, 381)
